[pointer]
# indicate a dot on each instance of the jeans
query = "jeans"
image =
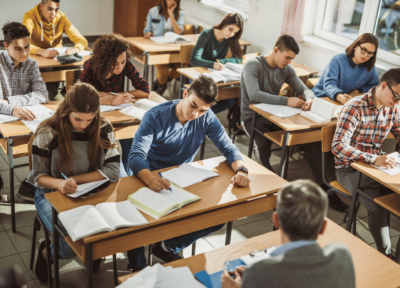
(378, 218)
(126, 145)
(137, 259)
(44, 209)
(224, 105)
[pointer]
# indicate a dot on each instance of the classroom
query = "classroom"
(199, 143)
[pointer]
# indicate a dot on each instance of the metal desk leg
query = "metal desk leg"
(89, 265)
(11, 171)
(146, 66)
(127, 84)
(115, 268)
(152, 76)
(228, 233)
(251, 141)
(354, 199)
(55, 249)
(283, 156)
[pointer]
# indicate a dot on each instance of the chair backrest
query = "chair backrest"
(192, 29)
(247, 57)
(186, 52)
(327, 134)
(30, 142)
(71, 77)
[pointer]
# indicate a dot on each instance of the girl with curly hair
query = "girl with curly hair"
(106, 71)
(165, 17)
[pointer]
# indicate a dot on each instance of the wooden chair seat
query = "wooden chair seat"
(336, 184)
(390, 202)
(311, 82)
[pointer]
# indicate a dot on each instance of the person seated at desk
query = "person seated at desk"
(350, 72)
(171, 134)
(106, 71)
(46, 24)
(20, 83)
(167, 16)
(299, 262)
(363, 125)
(75, 141)
(213, 46)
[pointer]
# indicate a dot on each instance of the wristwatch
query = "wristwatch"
(242, 168)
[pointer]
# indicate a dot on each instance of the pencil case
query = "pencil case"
(68, 59)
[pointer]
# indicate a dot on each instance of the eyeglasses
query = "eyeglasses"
(365, 51)
(396, 97)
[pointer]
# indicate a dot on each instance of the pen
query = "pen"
(159, 173)
(118, 95)
(66, 178)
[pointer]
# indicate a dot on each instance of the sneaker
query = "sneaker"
(159, 252)
(26, 191)
(336, 203)
(96, 265)
(40, 265)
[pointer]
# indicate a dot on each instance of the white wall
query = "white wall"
(91, 17)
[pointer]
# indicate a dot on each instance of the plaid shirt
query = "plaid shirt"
(361, 129)
(23, 86)
(115, 83)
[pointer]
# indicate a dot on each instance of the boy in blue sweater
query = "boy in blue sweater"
(353, 71)
(171, 134)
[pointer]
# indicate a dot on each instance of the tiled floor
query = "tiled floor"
(15, 248)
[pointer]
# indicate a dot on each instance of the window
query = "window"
(242, 5)
(342, 21)
(230, 6)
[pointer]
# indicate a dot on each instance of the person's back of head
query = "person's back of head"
(284, 51)
(287, 43)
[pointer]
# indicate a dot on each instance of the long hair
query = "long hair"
(364, 38)
(81, 98)
(163, 9)
(106, 50)
(236, 19)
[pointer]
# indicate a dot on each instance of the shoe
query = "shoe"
(155, 85)
(133, 270)
(40, 265)
(26, 191)
(161, 89)
(96, 265)
(336, 203)
(159, 252)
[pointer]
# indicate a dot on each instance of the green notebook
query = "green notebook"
(160, 204)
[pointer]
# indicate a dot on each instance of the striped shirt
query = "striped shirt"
(45, 155)
(361, 129)
(23, 86)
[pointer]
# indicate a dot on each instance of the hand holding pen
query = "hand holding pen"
(169, 188)
(122, 98)
(67, 186)
(23, 113)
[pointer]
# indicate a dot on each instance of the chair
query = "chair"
(71, 77)
(185, 53)
(311, 82)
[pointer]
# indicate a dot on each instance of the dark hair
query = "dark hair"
(14, 30)
(106, 50)
(287, 43)
(301, 208)
(205, 88)
(163, 9)
(46, 1)
(364, 38)
(391, 77)
(235, 19)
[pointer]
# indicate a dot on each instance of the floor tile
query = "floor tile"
(362, 231)
(17, 161)
(6, 246)
(16, 198)
(105, 276)
(26, 258)
(22, 238)
(71, 279)
(24, 215)
(249, 219)
(6, 262)
(202, 246)
(22, 173)
(256, 228)
(217, 239)
(6, 179)
(30, 284)
(335, 215)
(268, 214)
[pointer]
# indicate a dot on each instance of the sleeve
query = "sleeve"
(231, 60)
(196, 59)
(74, 35)
(142, 143)
(87, 73)
(331, 80)
(41, 157)
(181, 20)
(137, 81)
(216, 132)
(250, 74)
(294, 81)
(148, 23)
(345, 129)
(38, 94)
(111, 167)
(371, 82)
(29, 24)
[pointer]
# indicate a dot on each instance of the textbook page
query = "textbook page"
(181, 177)
(83, 221)
(106, 108)
(5, 118)
(199, 170)
(121, 214)
(169, 37)
(281, 111)
(33, 125)
(36, 109)
(179, 195)
(238, 68)
(63, 50)
(227, 73)
(140, 108)
(84, 188)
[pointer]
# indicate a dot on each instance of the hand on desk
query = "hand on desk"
(219, 66)
(385, 161)
(228, 282)
(148, 35)
(115, 100)
(47, 53)
(67, 187)
(295, 102)
(23, 113)
(307, 105)
(240, 179)
(72, 50)
(343, 98)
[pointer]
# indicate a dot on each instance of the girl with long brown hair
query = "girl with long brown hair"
(350, 72)
(79, 143)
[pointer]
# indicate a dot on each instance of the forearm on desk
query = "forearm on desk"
(238, 163)
(145, 175)
(139, 93)
(49, 182)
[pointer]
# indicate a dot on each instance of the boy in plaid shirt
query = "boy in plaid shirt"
(363, 124)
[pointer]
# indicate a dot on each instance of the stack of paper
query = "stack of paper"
(158, 276)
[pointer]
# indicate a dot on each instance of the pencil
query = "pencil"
(218, 61)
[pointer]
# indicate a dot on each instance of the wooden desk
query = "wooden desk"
(372, 269)
(59, 75)
(303, 71)
(220, 203)
(18, 136)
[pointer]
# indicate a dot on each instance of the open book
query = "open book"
(322, 111)
(109, 216)
(106, 108)
(282, 111)
(89, 189)
(33, 125)
(140, 107)
(160, 204)
(189, 174)
(237, 68)
(169, 37)
(36, 109)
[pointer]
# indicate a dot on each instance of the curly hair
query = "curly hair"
(106, 50)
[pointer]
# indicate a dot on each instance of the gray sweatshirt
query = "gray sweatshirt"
(260, 83)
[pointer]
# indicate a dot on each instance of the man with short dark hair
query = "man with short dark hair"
(363, 124)
(171, 134)
(299, 261)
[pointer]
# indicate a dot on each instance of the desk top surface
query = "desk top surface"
(17, 128)
(371, 267)
(50, 63)
(216, 193)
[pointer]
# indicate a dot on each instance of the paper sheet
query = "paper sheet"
(62, 51)
(281, 111)
(84, 188)
(36, 109)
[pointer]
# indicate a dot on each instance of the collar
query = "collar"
(292, 245)
(371, 101)
(353, 65)
(9, 61)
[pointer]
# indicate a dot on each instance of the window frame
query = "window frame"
(236, 5)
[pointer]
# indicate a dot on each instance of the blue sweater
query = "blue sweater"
(162, 141)
(343, 76)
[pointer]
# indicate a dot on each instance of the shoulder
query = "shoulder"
(106, 125)
(160, 114)
(253, 63)
(338, 59)
(206, 33)
(44, 136)
(154, 11)
(61, 16)
(30, 14)
(129, 67)
(338, 249)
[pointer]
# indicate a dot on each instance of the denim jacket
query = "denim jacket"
(158, 28)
